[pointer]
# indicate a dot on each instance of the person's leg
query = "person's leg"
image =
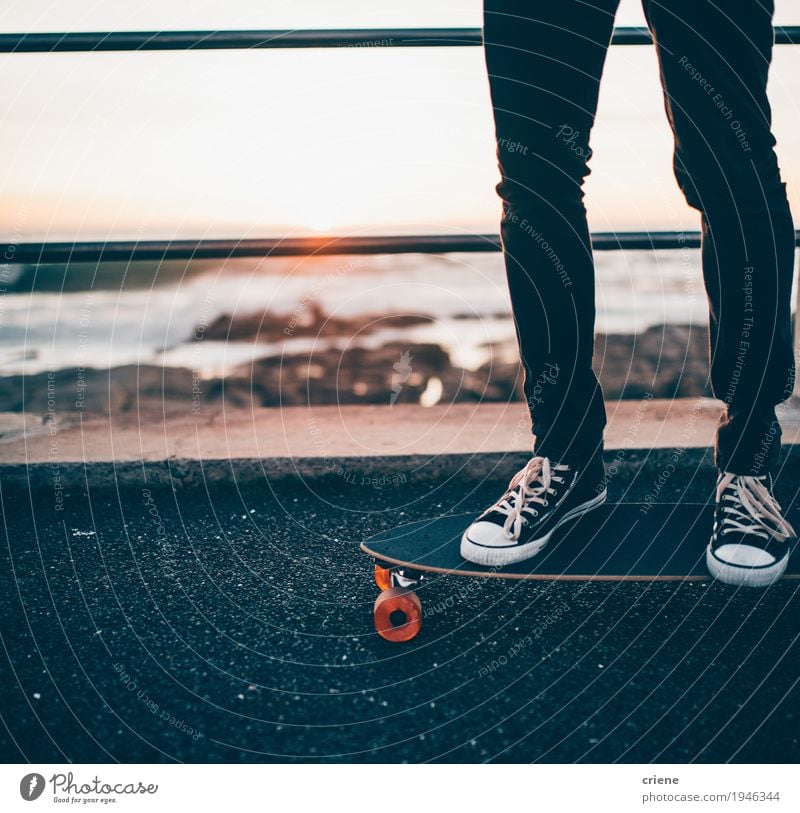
(714, 59)
(714, 63)
(544, 62)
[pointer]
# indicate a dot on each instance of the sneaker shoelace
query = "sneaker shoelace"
(528, 488)
(762, 513)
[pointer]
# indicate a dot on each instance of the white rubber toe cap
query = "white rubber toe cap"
(743, 556)
(744, 566)
(488, 535)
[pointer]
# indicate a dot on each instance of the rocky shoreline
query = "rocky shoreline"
(666, 361)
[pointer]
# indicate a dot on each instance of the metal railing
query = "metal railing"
(130, 250)
(320, 38)
(126, 250)
(118, 251)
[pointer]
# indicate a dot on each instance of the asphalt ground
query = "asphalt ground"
(221, 624)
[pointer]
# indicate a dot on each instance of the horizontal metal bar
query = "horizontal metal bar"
(255, 39)
(73, 41)
(124, 251)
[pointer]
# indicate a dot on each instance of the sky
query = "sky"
(268, 143)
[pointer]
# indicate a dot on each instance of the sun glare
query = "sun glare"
(319, 222)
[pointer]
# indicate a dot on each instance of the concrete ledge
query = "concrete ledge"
(377, 446)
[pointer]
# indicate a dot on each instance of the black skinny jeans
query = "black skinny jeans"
(545, 59)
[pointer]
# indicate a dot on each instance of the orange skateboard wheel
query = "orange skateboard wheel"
(398, 614)
(383, 577)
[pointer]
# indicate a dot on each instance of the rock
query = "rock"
(667, 361)
(310, 320)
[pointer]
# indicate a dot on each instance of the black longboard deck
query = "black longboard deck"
(618, 541)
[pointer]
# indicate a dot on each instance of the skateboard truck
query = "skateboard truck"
(398, 611)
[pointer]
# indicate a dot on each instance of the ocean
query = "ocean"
(144, 314)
